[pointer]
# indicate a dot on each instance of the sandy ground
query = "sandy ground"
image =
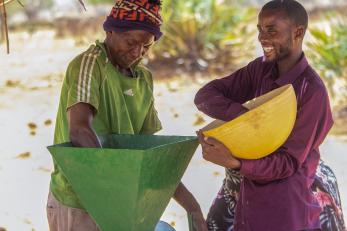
(30, 80)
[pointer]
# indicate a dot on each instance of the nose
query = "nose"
(137, 51)
(262, 36)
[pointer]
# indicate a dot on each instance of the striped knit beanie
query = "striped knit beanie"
(135, 15)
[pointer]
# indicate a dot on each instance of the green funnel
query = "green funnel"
(127, 184)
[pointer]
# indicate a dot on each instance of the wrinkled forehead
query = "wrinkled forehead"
(275, 17)
(140, 36)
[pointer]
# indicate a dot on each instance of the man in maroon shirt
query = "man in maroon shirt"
(275, 192)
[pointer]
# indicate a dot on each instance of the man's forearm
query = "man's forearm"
(186, 199)
(277, 166)
(221, 98)
(81, 133)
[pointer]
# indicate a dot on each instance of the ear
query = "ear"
(108, 35)
(299, 33)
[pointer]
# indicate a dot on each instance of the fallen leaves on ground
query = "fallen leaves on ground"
(44, 169)
(23, 155)
(32, 125)
(48, 122)
(173, 223)
(173, 111)
(27, 221)
(12, 83)
(199, 120)
(216, 173)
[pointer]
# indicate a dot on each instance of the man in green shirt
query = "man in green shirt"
(107, 90)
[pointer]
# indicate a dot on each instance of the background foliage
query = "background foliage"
(205, 34)
(210, 36)
(328, 52)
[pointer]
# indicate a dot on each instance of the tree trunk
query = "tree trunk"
(2, 32)
(3, 35)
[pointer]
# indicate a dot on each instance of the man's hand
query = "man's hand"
(216, 152)
(199, 222)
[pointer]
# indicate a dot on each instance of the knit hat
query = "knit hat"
(135, 15)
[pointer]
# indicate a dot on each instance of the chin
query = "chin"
(126, 65)
(269, 58)
(129, 64)
(266, 59)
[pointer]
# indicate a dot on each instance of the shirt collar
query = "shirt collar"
(293, 73)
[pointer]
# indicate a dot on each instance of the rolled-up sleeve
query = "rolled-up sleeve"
(222, 98)
(313, 122)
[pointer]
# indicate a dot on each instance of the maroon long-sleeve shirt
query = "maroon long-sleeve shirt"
(275, 193)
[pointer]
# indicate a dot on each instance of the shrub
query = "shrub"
(200, 33)
(328, 51)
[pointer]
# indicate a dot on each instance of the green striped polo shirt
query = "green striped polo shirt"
(123, 105)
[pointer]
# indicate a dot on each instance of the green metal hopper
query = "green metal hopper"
(127, 184)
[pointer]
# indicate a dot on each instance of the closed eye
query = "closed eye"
(131, 43)
(147, 46)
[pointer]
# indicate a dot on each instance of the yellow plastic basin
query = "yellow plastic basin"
(263, 129)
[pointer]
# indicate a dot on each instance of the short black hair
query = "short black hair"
(295, 11)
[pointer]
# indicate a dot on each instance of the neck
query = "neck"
(285, 65)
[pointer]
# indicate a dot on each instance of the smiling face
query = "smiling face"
(126, 48)
(277, 35)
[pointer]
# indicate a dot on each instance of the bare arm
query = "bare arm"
(189, 203)
(80, 117)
